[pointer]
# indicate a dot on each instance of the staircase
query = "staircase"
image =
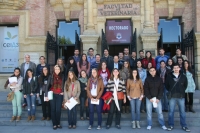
(192, 119)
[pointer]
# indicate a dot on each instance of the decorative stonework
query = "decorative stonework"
(12, 4)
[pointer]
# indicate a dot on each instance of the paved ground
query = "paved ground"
(40, 129)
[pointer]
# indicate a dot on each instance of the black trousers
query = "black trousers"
(113, 109)
(46, 109)
(190, 102)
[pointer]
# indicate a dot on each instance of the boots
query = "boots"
(186, 108)
(13, 118)
(138, 124)
(133, 125)
(29, 118)
(18, 118)
(33, 118)
(191, 109)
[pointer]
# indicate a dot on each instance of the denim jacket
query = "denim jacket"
(191, 85)
(143, 74)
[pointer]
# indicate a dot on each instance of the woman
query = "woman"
(71, 66)
(44, 86)
(72, 90)
(30, 86)
(143, 74)
(180, 62)
(148, 59)
(83, 64)
(57, 85)
(135, 94)
(148, 68)
(95, 89)
(170, 64)
(125, 74)
(117, 86)
(16, 88)
(189, 92)
(62, 66)
(83, 96)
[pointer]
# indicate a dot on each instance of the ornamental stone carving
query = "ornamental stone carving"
(12, 4)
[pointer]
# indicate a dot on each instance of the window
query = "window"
(66, 32)
(171, 30)
(9, 51)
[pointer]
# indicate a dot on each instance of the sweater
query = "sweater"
(18, 86)
(121, 86)
(145, 63)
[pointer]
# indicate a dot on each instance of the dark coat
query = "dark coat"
(31, 87)
(108, 61)
(133, 63)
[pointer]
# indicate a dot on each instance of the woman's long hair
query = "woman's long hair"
(137, 76)
(172, 62)
(69, 81)
(96, 72)
(69, 64)
(81, 61)
(41, 78)
(112, 75)
(129, 68)
(140, 62)
(18, 74)
(60, 73)
(189, 67)
(26, 76)
(100, 65)
(150, 58)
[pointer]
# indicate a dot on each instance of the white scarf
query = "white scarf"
(115, 93)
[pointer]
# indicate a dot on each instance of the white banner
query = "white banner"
(9, 52)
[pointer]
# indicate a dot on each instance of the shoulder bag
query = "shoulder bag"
(169, 94)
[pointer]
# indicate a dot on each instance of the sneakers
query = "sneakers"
(170, 128)
(164, 128)
(149, 128)
(186, 129)
(107, 127)
(118, 126)
(99, 127)
(90, 127)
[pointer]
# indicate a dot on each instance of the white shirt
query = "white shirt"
(94, 90)
(29, 80)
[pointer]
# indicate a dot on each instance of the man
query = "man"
(96, 63)
(162, 73)
(76, 55)
(24, 67)
(107, 58)
(126, 54)
(141, 54)
(161, 57)
(176, 83)
(133, 60)
(91, 58)
(121, 58)
(153, 88)
(115, 64)
(178, 54)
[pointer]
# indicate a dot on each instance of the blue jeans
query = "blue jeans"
(181, 106)
(165, 99)
(72, 116)
(158, 111)
(56, 105)
(31, 99)
(135, 108)
(83, 108)
(98, 109)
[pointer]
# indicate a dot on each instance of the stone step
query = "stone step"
(8, 114)
(124, 123)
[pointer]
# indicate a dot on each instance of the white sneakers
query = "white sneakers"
(163, 127)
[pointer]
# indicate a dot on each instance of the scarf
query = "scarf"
(57, 82)
(126, 71)
(93, 81)
(162, 74)
(115, 93)
(83, 80)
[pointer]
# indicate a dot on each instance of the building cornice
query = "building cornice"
(12, 4)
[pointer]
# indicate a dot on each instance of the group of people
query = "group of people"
(111, 84)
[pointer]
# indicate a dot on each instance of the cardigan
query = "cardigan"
(121, 86)
(191, 84)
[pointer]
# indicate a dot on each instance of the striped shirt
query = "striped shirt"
(111, 84)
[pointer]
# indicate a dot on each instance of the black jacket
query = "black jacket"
(42, 86)
(158, 72)
(153, 87)
(133, 63)
(112, 66)
(108, 61)
(180, 87)
(83, 91)
(31, 87)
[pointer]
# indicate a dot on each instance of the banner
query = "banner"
(9, 52)
(118, 31)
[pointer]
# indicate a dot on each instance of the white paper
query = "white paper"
(50, 95)
(71, 104)
(12, 80)
(155, 105)
(95, 102)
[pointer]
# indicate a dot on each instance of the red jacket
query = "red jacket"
(145, 63)
(108, 72)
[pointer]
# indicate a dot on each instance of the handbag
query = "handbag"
(10, 96)
(169, 94)
(120, 95)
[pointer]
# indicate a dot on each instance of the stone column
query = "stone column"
(89, 37)
(149, 35)
(197, 59)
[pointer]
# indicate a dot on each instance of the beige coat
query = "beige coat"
(134, 89)
(76, 93)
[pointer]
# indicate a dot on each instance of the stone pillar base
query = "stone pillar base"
(89, 41)
(197, 59)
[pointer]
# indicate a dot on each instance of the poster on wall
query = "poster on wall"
(118, 31)
(9, 51)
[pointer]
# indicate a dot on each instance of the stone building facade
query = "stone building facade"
(36, 17)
